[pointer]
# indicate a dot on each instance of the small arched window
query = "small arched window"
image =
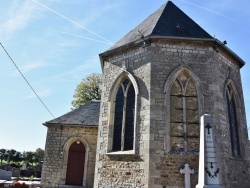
(232, 122)
(124, 115)
(184, 115)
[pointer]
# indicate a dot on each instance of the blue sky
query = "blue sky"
(57, 45)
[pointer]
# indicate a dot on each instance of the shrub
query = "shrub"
(17, 184)
(16, 165)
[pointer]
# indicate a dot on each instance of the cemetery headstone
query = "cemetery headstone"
(24, 166)
(38, 174)
(7, 167)
(15, 172)
(5, 175)
(187, 171)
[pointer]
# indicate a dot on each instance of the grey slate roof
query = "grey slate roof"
(167, 21)
(86, 115)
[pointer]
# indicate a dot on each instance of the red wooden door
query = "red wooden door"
(76, 160)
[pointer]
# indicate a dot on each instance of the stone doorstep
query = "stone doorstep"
(71, 186)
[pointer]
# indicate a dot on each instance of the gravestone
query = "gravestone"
(5, 175)
(38, 174)
(209, 173)
(24, 166)
(15, 172)
(27, 173)
(187, 171)
(7, 167)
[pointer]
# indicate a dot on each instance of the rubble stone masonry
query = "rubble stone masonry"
(154, 164)
(56, 154)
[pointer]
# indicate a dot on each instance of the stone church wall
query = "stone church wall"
(154, 164)
(55, 165)
(213, 71)
(123, 170)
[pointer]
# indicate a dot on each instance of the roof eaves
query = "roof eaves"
(68, 125)
(234, 55)
(148, 38)
(140, 41)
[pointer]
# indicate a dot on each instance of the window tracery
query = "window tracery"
(124, 115)
(184, 115)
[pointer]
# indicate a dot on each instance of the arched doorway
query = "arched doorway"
(75, 167)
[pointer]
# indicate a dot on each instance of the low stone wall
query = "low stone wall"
(169, 168)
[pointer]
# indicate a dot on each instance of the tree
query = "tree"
(2, 154)
(88, 89)
(17, 157)
(10, 154)
(31, 157)
(39, 154)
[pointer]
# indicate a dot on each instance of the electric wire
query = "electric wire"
(27, 81)
(72, 21)
(61, 126)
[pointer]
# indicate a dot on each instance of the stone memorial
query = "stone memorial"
(15, 172)
(187, 171)
(209, 173)
(24, 166)
(5, 175)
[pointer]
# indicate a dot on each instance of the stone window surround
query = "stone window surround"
(231, 84)
(167, 89)
(65, 153)
(112, 96)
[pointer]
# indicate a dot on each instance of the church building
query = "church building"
(158, 81)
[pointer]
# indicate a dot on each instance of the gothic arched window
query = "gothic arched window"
(184, 115)
(232, 122)
(124, 113)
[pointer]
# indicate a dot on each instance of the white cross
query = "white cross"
(187, 171)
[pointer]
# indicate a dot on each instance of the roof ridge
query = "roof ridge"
(167, 21)
(146, 31)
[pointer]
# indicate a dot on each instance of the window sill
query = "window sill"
(238, 158)
(129, 152)
(174, 152)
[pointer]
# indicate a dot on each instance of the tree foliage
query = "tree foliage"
(39, 154)
(17, 157)
(88, 89)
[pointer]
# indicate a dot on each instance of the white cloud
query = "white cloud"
(30, 67)
(67, 43)
(95, 13)
(87, 67)
(74, 35)
(19, 15)
(224, 9)
(89, 64)
(40, 93)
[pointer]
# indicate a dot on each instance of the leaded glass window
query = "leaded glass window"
(123, 135)
(232, 122)
(184, 115)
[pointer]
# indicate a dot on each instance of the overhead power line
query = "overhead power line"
(61, 125)
(27, 82)
(72, 21)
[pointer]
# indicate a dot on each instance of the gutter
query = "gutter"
(148, 39)
(68, 125)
